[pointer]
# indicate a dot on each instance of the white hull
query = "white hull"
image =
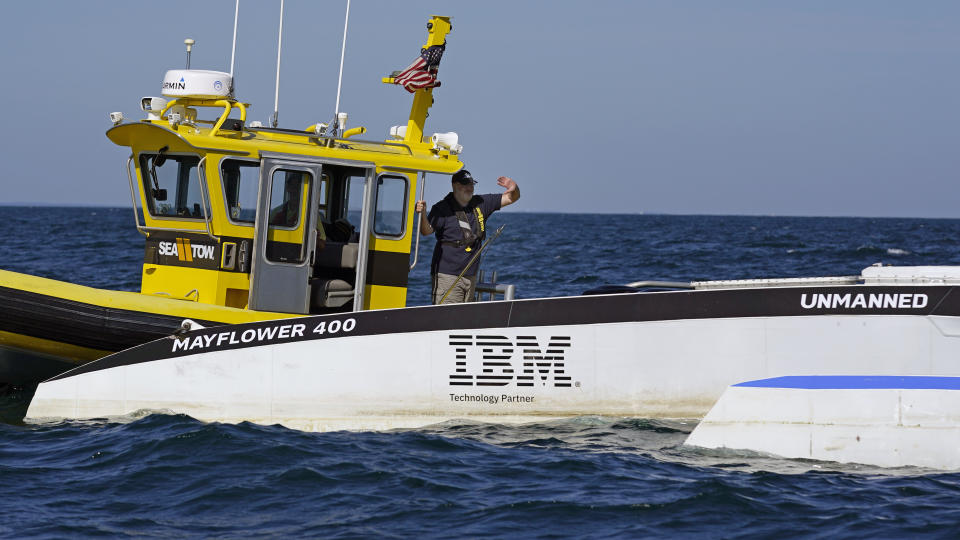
(643, 368)
(884, 421)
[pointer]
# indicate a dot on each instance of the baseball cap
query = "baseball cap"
(464, 177)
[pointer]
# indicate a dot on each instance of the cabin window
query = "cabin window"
(354, 209)
(286, 192)
(241, 180)
(391, 206)
(323, 207)
(171, 185)
(288, 189)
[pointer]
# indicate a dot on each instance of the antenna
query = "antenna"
(233, 50)
(189, 43)
(276, 95)
(343, 49)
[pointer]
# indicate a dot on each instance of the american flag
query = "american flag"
(422, 73)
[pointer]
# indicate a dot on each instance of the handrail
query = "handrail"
(227, 105)
(416, 249)
(364, 247)
(323, 140)
(354, 131)
(201, 177)
(133, 199)
(165, 229)
(330, 141)
(144, 230)
(664, 284)
(509, 292)
(169, 105)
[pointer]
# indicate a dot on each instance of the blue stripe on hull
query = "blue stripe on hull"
(840, 382)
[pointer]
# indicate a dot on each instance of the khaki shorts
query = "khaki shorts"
(462, 292)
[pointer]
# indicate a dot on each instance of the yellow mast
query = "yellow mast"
(437, 29)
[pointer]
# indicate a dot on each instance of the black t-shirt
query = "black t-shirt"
(448, 258)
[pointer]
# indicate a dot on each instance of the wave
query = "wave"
(870, 249)
(171, 475)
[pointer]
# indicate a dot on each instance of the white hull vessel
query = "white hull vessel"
(875, 420)
(653, 354)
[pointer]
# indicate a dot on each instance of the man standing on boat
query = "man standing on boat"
(460, 223)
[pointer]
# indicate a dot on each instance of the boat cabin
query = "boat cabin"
(304, 221)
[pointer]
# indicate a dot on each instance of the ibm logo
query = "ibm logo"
(501, 358)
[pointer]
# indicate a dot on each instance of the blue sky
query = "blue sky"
(697, 107)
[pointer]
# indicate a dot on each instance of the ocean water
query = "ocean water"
(172, 476)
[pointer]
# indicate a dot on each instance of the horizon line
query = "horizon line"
(518, 211)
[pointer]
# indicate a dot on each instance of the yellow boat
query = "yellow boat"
(241, 223)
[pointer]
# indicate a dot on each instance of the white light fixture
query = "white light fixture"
(447, 141)
(398, 132)
(153, 106)
(116, 118)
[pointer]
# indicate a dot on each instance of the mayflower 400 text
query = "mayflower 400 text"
(285, 331)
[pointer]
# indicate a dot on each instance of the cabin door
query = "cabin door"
(285, 237)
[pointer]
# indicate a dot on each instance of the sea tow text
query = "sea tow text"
(864, 301)
(181, 248)
(492, 399)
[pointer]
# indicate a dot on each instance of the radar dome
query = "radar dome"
(197, 83)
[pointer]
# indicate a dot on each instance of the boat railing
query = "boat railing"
(145, 231)
(133, 199)
(661, 284)
(747, 283)
(204, 197)
(492, 289)
(227, 104)
(416, 249)
(385, 147)
(776, 282)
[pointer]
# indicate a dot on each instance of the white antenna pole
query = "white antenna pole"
(189, 43)
(233, 51)
(342, 51)
(276, 96)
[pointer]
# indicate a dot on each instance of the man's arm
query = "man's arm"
(425, 228)
(512, 193)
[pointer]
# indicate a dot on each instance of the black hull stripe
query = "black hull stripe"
(81, 324)
(576, 310)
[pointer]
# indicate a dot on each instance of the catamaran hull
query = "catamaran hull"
(874, 420)
(668, 354)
